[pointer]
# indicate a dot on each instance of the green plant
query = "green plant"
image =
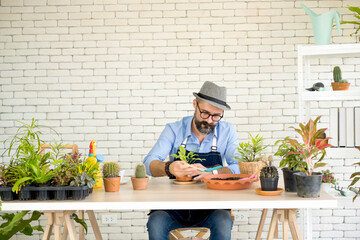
(356, 11)
(328, 177)
(252, 150)
(140, 171)
(292, 161)
(82, 179)
(337, 75)
(268, 171)
(190, 158)
(66, 168)
(4, 175)
(356, 177)
(15, 223)
(111, 169)
(311, 146)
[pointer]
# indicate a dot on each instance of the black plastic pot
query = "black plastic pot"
(6, 194)
(289, 180)
(42, 193)
(60, 193)
(25, 194)
(308, 186)
(269, 184)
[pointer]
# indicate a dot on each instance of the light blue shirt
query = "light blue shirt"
(175, 133)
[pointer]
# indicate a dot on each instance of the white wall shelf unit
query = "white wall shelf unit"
(308, 52)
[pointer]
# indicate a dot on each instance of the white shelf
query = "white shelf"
(331, 95)
(327, 50)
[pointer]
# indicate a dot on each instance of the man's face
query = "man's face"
(206, 116)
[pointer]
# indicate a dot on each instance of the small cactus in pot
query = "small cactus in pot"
(269, 176)
(339, 84)
(140, 180)
(111, 176)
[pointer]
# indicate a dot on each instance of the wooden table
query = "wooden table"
(163, 194)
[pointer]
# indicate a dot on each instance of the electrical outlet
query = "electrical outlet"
(109, 219)
(241, 216)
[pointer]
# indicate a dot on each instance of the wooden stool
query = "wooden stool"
(288, 219)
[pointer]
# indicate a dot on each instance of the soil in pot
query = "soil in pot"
(289, 180)
(308, 186)
(269, 184)
(225, 179)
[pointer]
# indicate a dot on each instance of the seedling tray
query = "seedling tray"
(45, 193)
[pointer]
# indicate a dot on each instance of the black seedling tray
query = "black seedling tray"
(45, 193)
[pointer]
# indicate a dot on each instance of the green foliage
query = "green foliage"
(269, 171)
(311, 147)
(356, 177)
(111, 169)
(66, 168)
(292, 161)
(15, 223)
(337, 74)
(356, 12)
(140, 171)
(190, 158)
(4, 175)
(252, 150)
(82, 179)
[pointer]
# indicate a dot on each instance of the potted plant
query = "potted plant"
(339, 84)
(190, 158)
(289, 163)
(140, 180)
(312, 152)
(250, 154)
(356, 11)
(111, 176)
(328, 180)
(269, 176)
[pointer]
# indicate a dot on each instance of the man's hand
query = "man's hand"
(181, 168)
(200, 174)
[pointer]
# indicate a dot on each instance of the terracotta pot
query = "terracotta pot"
(139, 183)
(336, 86)
(112, 184)
(184, 179)
(213, 182)
(250, 167)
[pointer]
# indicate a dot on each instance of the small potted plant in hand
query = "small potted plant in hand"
(313, 152)
(250, 154)
(339, 84)
(140, 181)
(111, 176)
(190, 158)
(269, 176)
(328, 180)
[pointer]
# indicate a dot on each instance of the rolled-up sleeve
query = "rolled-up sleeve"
(161, 149)
(231, 150)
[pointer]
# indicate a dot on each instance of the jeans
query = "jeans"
(219, 222)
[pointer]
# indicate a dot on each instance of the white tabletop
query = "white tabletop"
(162, 193)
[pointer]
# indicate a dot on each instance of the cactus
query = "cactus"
(269, 171)
(111, 169)
(140, 171)
(337, 74)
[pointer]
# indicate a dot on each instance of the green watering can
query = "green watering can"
(322, 24)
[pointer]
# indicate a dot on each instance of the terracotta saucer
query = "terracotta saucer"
(183, 183)
(213, 182)
(269, 193)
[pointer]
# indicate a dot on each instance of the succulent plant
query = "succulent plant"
(269, 171)
(140, 171)
(337, 75)
(111, 169)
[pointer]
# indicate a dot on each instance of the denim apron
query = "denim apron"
(194, 217)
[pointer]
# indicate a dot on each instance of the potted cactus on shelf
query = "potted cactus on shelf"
(269, 176)
(111, 176)
(140, 180)
(339, 84)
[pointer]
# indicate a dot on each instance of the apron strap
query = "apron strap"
(213, 147)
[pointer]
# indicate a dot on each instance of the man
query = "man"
(215, 141)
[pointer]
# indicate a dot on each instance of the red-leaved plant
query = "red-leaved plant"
(356, 176)
(311, 147)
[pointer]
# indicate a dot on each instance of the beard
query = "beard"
(204, 127)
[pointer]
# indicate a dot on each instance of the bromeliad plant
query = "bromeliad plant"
(190, 158)
(311, 148)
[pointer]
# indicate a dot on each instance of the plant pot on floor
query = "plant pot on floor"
(336, 86)
(289, 180)
(112, 184)
(308, 186)
(139, 183)
(269, 184)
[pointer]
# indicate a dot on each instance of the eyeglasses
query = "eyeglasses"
(206, 115)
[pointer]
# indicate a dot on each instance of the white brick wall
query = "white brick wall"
(117, 71)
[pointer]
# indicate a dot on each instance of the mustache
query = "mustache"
(207, 125)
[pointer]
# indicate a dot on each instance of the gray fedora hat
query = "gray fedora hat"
(213, 94)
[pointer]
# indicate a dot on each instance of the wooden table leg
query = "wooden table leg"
(59, 219)
(261, 224)
(294, 227)
(70, 225)
(272, 227)
(81, 228)
(49, 225)
(94, 224)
